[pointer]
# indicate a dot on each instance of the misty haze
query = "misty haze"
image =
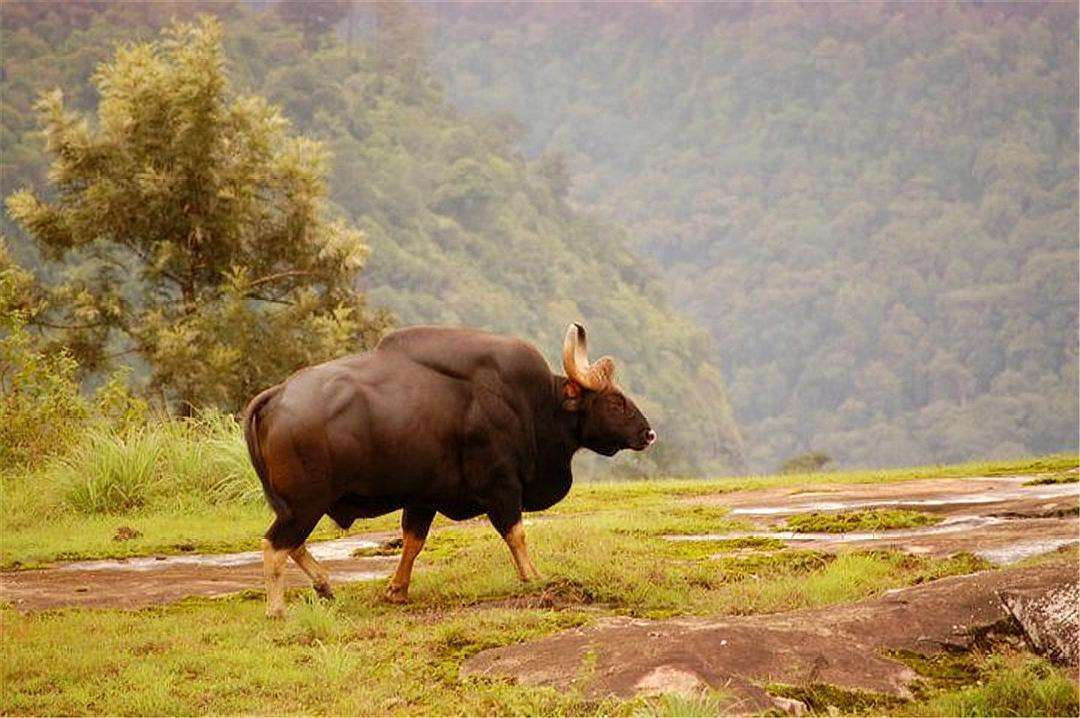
(770, 308)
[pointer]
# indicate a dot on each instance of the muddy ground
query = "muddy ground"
(998, 518)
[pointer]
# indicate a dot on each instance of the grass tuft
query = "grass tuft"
(945, 670)
(1038, 465)
(1008, 686)
(826, 699)
(1062, 478)
(847, 521)
(115, 476)
(314, 620)
(755, 543)
(705, 704)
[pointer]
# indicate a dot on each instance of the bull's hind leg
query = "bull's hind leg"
(415, 523)
(274, 573)
(283, 537)
(320, 579)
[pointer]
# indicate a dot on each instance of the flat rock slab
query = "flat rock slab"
(1001, 543)
(839, 645)
(978, 494)
(147, 581)
(996, 518)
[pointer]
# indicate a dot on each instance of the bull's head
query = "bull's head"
(610, 421)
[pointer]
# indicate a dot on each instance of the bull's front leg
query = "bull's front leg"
(415, 522)
(508, 523)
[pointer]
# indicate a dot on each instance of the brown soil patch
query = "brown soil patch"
(112, 584)
(840, 645)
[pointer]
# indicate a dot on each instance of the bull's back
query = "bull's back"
(468, 354)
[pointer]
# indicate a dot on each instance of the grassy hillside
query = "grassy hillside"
(872, 208)
(463, 229)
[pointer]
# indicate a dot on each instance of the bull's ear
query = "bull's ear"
(571, 395)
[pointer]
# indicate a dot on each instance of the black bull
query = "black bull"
(453, 421)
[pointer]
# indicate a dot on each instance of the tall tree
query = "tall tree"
(190, 228)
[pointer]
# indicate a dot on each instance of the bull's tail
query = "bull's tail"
(251, 435)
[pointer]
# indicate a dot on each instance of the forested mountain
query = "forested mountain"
(463, 230)
(871, 206)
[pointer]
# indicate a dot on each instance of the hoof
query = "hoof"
(324, 591)
(397, 595)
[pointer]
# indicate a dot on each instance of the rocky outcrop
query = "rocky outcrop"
(842, 645)
(1049, 619)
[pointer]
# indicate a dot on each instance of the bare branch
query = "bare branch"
(283, 275)
(48, 325)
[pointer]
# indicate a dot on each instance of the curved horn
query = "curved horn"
(595, 377)
(575, 357)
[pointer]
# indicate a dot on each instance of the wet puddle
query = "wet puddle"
(333, 550)
(1004, 555)
(1011, 493)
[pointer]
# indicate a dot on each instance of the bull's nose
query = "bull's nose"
(650, 436)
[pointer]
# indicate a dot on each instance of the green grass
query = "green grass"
(184, 485)
(223, 656)
(1062, 478)
(956, 684)
(847, 521)
(1036, 465)
(1007, 685)
(673, 705)
(743, 543)
(362, 656)
(823, 699)
(600, 496)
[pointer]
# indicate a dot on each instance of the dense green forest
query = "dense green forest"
(462, 229)
(871, 206)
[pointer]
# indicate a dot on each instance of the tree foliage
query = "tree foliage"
(463, 228)
(872, 206)
(192, 227)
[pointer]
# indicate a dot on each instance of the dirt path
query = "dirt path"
(840, 645)
(146, 581)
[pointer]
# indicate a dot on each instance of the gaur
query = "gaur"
(433, 420)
